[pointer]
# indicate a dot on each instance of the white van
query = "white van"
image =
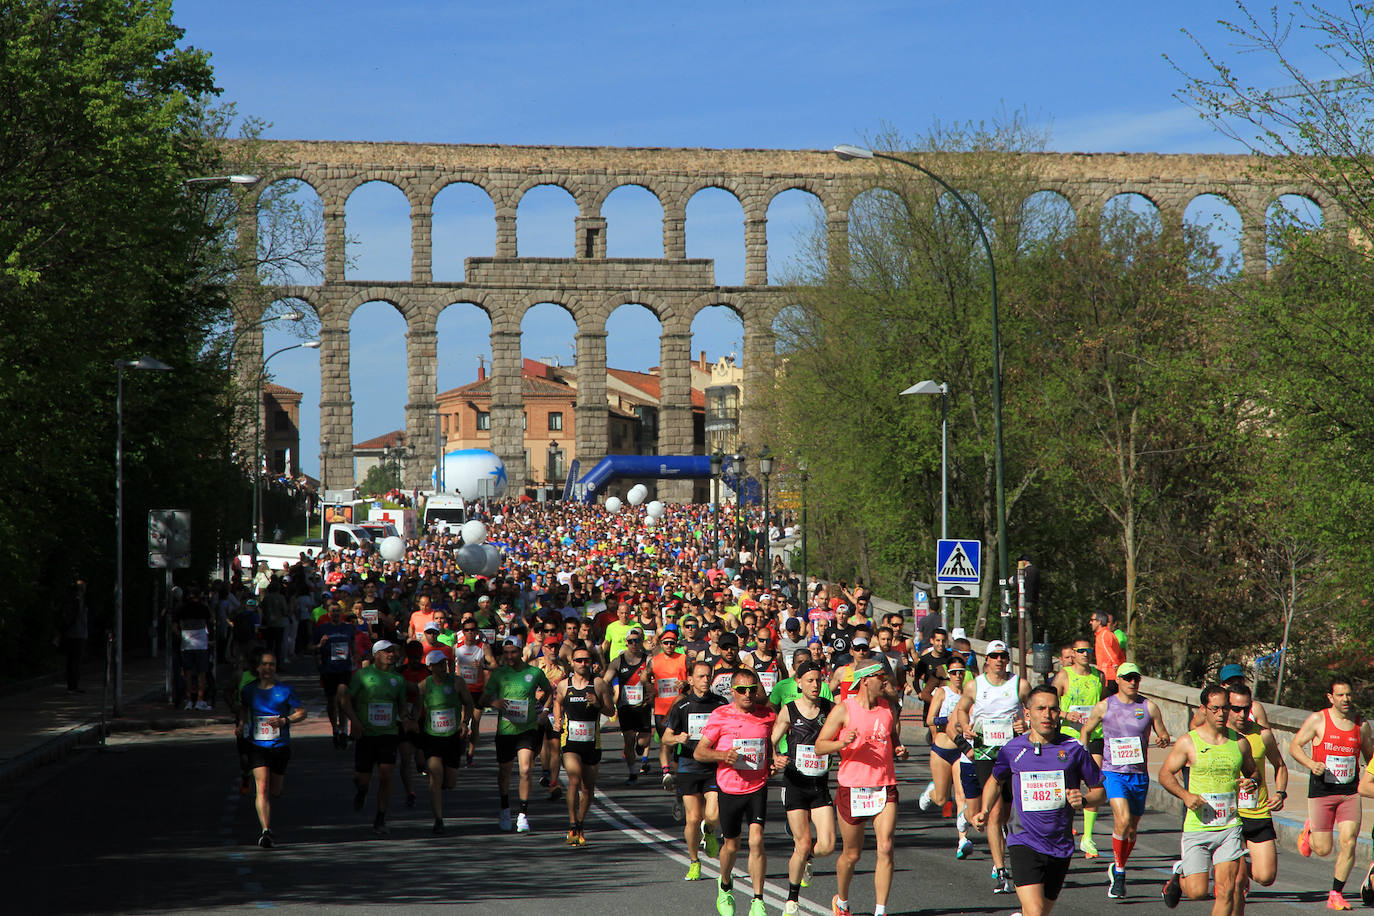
(446, 511)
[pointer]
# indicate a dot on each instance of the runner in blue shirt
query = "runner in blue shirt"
(1046, 770)
(266, 711)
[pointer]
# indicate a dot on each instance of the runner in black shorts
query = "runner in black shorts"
(695, 782)
(578, 704)
(806, 779)
(445, 712)
(633, 702)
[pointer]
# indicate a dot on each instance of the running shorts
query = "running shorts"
(842, 804)
(694, 783)
(1257, 829)
(1203, 848)
(1031, 866)
(735, 810)
(634, 718)
(274, 758)
(1326, 811)
(1130, 786)
(449, 748)
(587, 751)
(947, 754)
(374, 750)
(810, 792)
(508, 745)
(983, 769)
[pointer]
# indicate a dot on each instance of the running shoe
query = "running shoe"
(204, 706)
(712, 844)
(522, 823)
(1116, 882)
(644, 767)
(1002, 883)
(725, 901)
(359, 798)
(668, 781)
(544, 779)
(1088, 846)
(266, 841)
(961, 822)
(925, 801)
(188, 705)
(679, 812)
(1305, 839)
(504, 820)
(965, 847)
(791, 908)
(947, 810)
(379, 826)
(756, 907)
(1173, 891)
(555, 793)
(836, 909)
(581, 837)
(572, 836)
(693, 872)
(631, 779)
(1335, 900)
(410, 799)
(1367, 891)
(438, 828)
(806, 875)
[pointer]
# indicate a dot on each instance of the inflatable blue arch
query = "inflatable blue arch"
(670, 467)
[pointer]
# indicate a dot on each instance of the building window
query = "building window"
(524, 421)
(484, 419)
(281, 421)
(555, 421)
(279, 460)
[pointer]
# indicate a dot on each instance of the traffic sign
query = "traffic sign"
(958, 562)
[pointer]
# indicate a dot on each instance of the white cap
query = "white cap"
(382, 645)
(957, 633)
(997, 646)
(435, 655)
(431, 627)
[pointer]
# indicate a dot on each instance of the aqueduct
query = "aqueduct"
(591, 286)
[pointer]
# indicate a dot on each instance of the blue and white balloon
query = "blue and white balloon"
(475, 473)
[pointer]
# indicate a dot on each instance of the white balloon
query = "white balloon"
(650, 521)
(471, 558)
(636, 496)
(613, 505)
(474, 472)
(655, 509)
(473, 532)
(493, 560)
(393, 548)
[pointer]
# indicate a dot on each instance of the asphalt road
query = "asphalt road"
(157, 824)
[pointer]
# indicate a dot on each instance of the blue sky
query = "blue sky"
(798, 74)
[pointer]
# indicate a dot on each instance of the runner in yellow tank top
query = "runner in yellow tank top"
(1080, 688)
(1255, 808)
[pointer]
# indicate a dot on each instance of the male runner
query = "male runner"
(696, 782)
(735, 739)
(989, 714)
(472, 659)
(1126, 719)
(1338, 737)
(1220, 766)
(1080, 687)
(578, 705)
(633, 703)
(1046, 770)
(668, 673)
(1255, 808)
(806, 779)
(445, 712)
(868, 737)
(518, 692)
(266, 711)
(378, 694)
(334, 644)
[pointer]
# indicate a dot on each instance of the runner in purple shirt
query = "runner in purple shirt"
(1047, 771)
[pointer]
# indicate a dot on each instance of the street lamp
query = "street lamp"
(258, 459)
(246, 181)
(717, 459)
(805, 476)
(146, 363)
(942, 389)
(846, 151)
(324, 451)
(739, 496)
(766, 469)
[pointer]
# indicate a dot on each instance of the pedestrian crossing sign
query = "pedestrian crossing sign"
(958, 562)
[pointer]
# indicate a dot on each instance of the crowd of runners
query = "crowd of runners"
(751, 678)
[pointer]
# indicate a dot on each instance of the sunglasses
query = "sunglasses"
(1084, 651)
(742, 689)
(1129, 677)
(1245, 708)
(1001, 655)
(581, 661)
(469, 629)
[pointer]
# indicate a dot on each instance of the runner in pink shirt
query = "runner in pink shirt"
(736, 740)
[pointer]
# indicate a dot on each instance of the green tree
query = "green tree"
(380, 478)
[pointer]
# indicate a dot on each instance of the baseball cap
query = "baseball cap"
(997, 646)
(382, 645)
(484, 600)
(512, 641)
(792, 623)
(859, 641)
(435, 656)
(728, 641)
(842, 609)
(1131, 668)
(1227, 672)
(865, 671)
(431, 627)
(957, 633)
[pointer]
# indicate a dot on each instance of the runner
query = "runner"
(550, 756)
(1046, 771)
(472, 659)
(868, 737)
(735, 739)
(1367, 791)
(1255, 808)
(1338, 737)
(334, 654)
(1080, 688)
(989, 714)
(668, 673)
(266, 711)
(1126, 719)
(724, 665)
(580, 701)
(445, 712)
(512, 690)
(410, 751)
(633, 703)
(1220, 767)
(378, 693)
(696, 782)
(806, 779)
(944, 752)
(1107, 649)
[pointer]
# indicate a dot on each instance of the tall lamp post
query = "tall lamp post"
(942, 389)
(324, 451)
(805, 476)
(766, 469)
(739, 497)
(145, 363)
(257, 442)
(845, 151)
(717, 459)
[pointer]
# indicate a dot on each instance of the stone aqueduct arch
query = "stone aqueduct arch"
(591, 286)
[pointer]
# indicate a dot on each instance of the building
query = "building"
(372, 452)
(281, 429)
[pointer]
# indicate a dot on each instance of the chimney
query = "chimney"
(701, 363)
(481, 368)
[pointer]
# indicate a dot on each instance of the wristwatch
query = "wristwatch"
(1282, 793)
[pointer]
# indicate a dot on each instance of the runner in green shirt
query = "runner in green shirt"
(445, 713)
(521, 694)
(376, 704)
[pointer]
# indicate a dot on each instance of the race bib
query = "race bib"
(517, 710)
(1081, 711)
(443, 721)
(1339, 770)
(1220, 810)
(696, 724)
(808, 762)
(264, 730)
(768, 679)
(467, 672)
(488, 634)
(666, 686)
(1125, 751)
(1248, 800)
(579, 730)
(195, 640)
(381, 714)
(867, 802)
(1042, 790)
(370, 615)
(633, 694)
(338, 650)
(750, 751)
(721, 685)
(997, 732)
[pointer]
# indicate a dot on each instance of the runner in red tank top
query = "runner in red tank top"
(1338, 738)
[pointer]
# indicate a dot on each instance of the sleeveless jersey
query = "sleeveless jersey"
(1126, 736)
(470, 664)
(868, 761)
(994, 707)
(1339, 749)
(670, 673)
(438, 694)
(804, 766)
(767, 672)
(1253, 805)
(947, 705)
(1080, 695)
(1213, 776)
(630, 675)
(581, 716)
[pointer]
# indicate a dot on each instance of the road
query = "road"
(157, 824)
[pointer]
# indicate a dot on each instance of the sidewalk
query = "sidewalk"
(43, 722)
